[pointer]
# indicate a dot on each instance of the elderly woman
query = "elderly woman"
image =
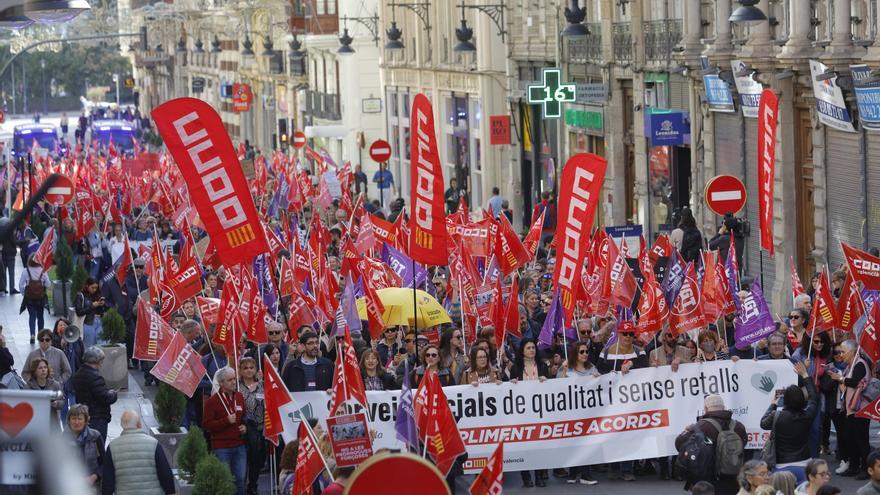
(752, 475)
(854, 446)
(251, 388)
(88, 441)
(41, 379)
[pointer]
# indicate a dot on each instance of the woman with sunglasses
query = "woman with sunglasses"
(798, 318)
(579, 365)
(452, 352)
(251, 388)
(527, 366)
(430, 362)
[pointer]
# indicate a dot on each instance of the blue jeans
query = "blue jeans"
(91, 333)
(236, 459)
(101, 426)
(35, 318)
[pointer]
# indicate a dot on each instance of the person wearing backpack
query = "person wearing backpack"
(712, 448)
(791, 425)
(34, 285)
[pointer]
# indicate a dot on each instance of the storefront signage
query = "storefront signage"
(668, 128)
(829, 100)
(631, 233)
(586, 119)
(552, 93)
(592, 93)
(718, 94)
(371, 105)
(241, 97)
(748, 88)
(499, 129)
(868, 97)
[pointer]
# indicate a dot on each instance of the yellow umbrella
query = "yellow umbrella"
(398, 302)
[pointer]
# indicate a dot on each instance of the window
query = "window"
(321, 8)
(406, 106)
(392, 99)
(331, 7)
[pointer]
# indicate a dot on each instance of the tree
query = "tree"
(78, 280)
(113, 327)
(213, 478)
(170, 408)
(192, 449)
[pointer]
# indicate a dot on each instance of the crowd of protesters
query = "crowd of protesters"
(228, 404)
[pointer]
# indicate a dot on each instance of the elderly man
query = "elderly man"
(90, 389)
(276, 333)
(669, 352)
(224, 420)
(58, 363)
(135, 462)
(775, 347)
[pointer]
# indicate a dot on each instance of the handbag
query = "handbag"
(77, 320)
(768, 453)
(13, 381)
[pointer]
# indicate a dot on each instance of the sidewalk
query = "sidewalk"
(15, 329)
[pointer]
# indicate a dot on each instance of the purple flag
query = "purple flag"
(673, 278)
(265, 284)
(405, 424)
(349, 306)
(870, 297)
(732, 278)
(403, 267)
(552, 323)
(754, 321)
(492, 272)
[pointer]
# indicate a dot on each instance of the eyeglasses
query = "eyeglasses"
(794, 317)
(456, 336)
(582, 351)
(824, 474)
(818, 342)
(837, 353)
(432, 354)
(630, 335)
(45, 339)
(275, 333)
(390, 330)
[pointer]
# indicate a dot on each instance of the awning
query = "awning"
(326, 131)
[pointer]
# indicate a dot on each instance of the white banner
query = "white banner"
(583, 420)
(748, 88)
(830, 105)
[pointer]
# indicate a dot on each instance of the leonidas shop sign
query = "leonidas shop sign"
(668, 127)
(241, 97)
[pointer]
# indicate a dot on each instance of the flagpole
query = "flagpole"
(314, 438)
(463, 320)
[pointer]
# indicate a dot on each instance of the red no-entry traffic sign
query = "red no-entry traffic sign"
(61, 192)
(725, 193)
(299, 139)
(380, 151)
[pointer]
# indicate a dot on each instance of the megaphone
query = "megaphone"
(72, 333)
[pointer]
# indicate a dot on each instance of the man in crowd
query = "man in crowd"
(775, 347)
(91, 389)
(669, 352)
(310, 371)
(495, 202)
(135, 462)
(224, 420)
(873, 486)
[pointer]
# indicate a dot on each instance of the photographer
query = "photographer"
(721, 240)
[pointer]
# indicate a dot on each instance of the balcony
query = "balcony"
(586, 49)
(323, 105)
(660, 38)
(314, 17)
(622, 42)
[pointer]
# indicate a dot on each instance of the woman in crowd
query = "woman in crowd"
(532, 302)
(89, 305)
(798, 318)
(826, 388)
(87, 441)
(853, 436)
(251, 389)
(784, 482)
(578, 365)
(74, 352)
(274, 354)
(34, 300)
(481, 369)
(41, 379)
(374, 375)
(817, 476)
(430, 361)
(287, 467)
(212, 285)
(452, 352)
(709, 347)
(527, 366)
(752, 475)
(791, 426)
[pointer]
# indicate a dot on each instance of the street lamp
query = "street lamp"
(215, 45)
(267, 47)
(181, 45)
(248, 47)
(394, 35)
(575, 17)
(52, 11)
(747, 12)
(345, 40)
(199, 46)
(296, 52)
(464, 34)
(14, 18)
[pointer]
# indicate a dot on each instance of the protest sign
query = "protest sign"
(350, 438)
(582, 420)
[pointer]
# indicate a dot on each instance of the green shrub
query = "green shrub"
(213, 478)
(192, 449)
(63, 259)
(113, 327)
(38, 226)
(77, 281)
(170, 408)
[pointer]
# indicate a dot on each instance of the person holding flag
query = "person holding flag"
(251, 388)
(853, 437)
(224, 419)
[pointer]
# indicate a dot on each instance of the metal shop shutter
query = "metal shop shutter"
(873, 183)
(845, 195)
(752, 258)
(728, 144)
(678, 92)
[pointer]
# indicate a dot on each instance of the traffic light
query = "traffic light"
(143, 38)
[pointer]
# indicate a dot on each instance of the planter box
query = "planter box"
(183, 488)
(115, 369)
(170, 442)
(58, 298)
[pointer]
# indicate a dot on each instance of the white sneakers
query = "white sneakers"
(844, 466)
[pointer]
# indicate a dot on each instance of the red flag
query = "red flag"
(722, 289)
(123, 262)
(687, 311)
(196, 138)
(824, 316)
(230, 324)
(209, 308)
(498, 312)
(490, 481)
(152, 334)
(622, 282)
(580, 186)
(309, 462)
(436, 423)
(662, 247)
(533, 237)
(256, 309)
(366, 238)
(45, 254)
(870, 340)
(712, 301)
(179, 287)
(276, 395)
(375, 310)
(768, 110)
(180, 366)
(511, 316)
(427, 221)
(863, 267)
(870, 411)
(850, 307)
(347, 381)
(287, 280)
(797, 288)
(653, 310)
(384, 230)
(509, 250)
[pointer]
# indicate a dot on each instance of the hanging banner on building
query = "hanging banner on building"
(718, 94)
(428, 222)
(768, 114)
(241, 97)
(867, 96)
(830, 105)
(582, 420)
(499, 129)
(748, 88)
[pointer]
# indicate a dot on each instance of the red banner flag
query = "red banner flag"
(622, 282)
(309, 462)
(581, 183)
(45, 254)
(653, 310)
(863, 267)
(347, 381)
(870, 411)
(511, 312)
(436, 423)
(768, 110)
(152, 334)
(509, 250)
(196, 138)
(533, 237)
(123, 262)
(209, 308)
(850, 307)
(427, 222)
(870, 340)
(180, 366)
(183, 285)
(687, 311)
(797, 288)
(824, 316)
(275, 395)
(713, 303)
(490, 481)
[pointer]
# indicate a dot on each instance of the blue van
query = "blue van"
(121, 132)
(24, 135)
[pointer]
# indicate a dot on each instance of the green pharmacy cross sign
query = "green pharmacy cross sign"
(552, 93)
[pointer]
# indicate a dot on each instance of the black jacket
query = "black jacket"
(91, 390)
(721, 243)
(7, 361)
(113, 293)
(691, 243)
(793, 428)
(294, 376)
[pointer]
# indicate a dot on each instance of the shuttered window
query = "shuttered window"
(845, 197)
(873, 180)
(728, 144)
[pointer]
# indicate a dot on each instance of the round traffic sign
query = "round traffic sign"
(61, 192)
(299, 139)
(380, 151)
(725, 194)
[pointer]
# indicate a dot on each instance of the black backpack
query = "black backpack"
(697, 457)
